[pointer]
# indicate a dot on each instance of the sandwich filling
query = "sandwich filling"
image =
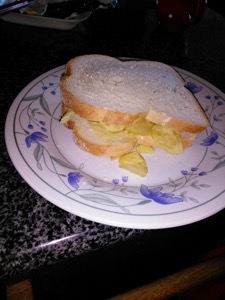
(127, 143)
(141, 132)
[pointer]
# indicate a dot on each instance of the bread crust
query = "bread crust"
(187, 140)
(107, 116)
(173, 123)
(97, 113)
(101, 149)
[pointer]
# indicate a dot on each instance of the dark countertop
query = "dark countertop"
(34, 233)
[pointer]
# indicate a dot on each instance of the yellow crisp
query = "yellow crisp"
(67, 116)
(142, 127)
(134, 163)
(112, 127)
(142, 149)
(109, 136)
(114, 157)
(167, 138)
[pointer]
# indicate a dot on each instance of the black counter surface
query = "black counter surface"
(38, 239)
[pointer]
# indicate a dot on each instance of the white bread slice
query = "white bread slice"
(105, 89)
(96, 140)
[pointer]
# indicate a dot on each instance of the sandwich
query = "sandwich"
(122, 109)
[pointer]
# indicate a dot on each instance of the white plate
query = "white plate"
(43, 152)
(46, 22)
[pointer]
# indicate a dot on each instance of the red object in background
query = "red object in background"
(175, 15)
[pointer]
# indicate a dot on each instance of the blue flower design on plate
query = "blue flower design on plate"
(193, 169)
(124, 178)
(74, 179)
(203, 173)
(42, 123)
(116, 181)
(216, 97)
(159, 197)
(210, 140)
(193, 87)
(35, 137)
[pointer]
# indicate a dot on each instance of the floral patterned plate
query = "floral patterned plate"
(178, 190)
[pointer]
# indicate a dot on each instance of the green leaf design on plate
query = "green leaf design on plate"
(103, 200)
(219, 165)
(32, 97)
(44, 105)
(62, 163)
(144, 202)
(38, 153)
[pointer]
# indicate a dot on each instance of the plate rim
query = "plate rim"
(126, 219)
